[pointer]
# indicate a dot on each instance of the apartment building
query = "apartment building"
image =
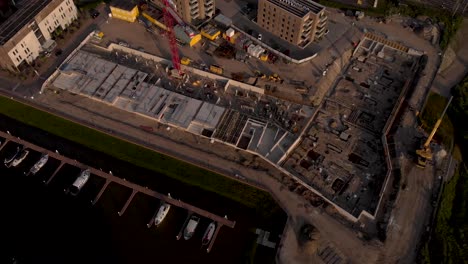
(297, 21)
(28, 31)
(193, 10)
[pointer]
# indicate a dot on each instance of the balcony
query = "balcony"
(321, 23)
(209, 9)
(194, 14)
(323, 18)
(308, 23)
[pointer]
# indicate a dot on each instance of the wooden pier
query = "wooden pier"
(220, 221)
(4, 144)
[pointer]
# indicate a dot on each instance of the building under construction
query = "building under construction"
(345, 152)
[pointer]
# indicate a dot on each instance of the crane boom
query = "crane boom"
(425, 153)
(169, 21)
(437, 124)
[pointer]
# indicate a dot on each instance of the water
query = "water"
(41, 224)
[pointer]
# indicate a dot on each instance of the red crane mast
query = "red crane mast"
(169, 21)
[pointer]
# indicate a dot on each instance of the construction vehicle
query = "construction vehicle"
(185, 61)
(425, 153)
(275, 77)
(259, 74)
(216, 69)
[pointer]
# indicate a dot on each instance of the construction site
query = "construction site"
(341, 154)
(336, 152)
(199, 102)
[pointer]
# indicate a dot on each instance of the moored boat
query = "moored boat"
(8, 160)
(208, 233)
(162, 213)
(82, 179)
(39, 164)
(17, 161)
(191, 227)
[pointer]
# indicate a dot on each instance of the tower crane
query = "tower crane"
(169, 21)
(425, 153)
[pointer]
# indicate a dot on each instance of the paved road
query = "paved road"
(457, 65)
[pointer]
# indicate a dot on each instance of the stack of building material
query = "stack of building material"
(255, 50)
(230, 32)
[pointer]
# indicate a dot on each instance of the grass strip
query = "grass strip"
(137, 155)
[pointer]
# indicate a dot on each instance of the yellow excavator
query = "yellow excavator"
(425, 153)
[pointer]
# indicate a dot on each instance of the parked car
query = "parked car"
(94, 13)
(124, 44)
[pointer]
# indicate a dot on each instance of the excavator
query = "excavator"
(425, 153)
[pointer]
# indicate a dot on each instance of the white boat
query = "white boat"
(7, 161)
(162, 213)
(208, 233)
(75, 188)
(39, 164)
(20, 158)
(191, 226)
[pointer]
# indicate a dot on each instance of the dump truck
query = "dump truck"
(216, 69)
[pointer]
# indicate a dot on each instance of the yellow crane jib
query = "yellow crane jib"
(425, 153)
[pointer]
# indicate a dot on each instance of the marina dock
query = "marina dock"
(135, 188)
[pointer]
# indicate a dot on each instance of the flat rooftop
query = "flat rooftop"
(341, 154)
(127, 5)
(299, 8)
(26, 12)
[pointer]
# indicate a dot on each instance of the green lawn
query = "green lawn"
(139, 156)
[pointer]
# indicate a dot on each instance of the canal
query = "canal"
(43, 225)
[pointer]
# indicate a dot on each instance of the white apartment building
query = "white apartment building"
(27, 33)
